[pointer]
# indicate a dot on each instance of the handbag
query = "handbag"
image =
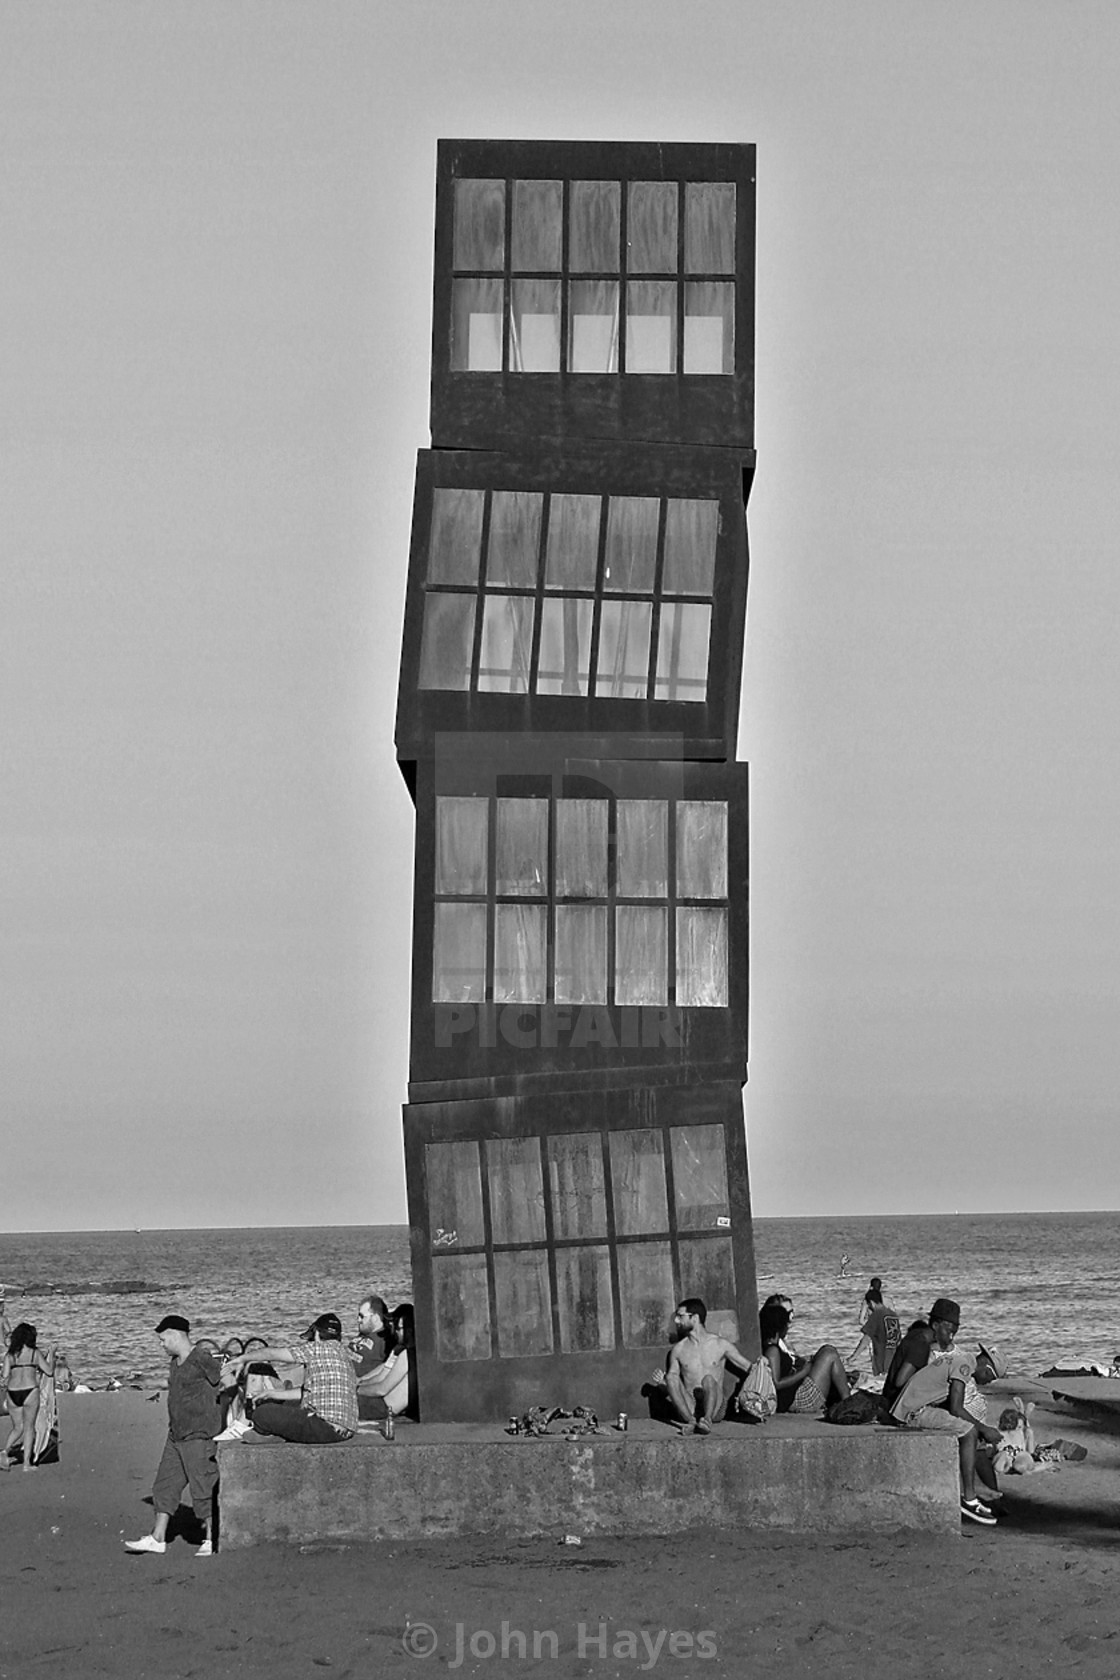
(758, 1398)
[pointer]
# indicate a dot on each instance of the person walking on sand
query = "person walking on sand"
(694, 1376)
(194, 1417)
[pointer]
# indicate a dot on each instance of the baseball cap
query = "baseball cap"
(947, 1310)
(174, 1321)
(994, 1357)
(328, 1327)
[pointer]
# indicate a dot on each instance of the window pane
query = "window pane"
(573, 542)
(645, 1285)
(651, 327)
(447, 644)
(480, 233)
(575, 1180)
(638, 1183)
(709, 227)
(454, 1185)
(643, 848)
(583, 1283)
(519, 953)
(522, 848)
(682, 651)
(507, 644)
(622, 671)
(640, 954)
(534, 344)
(699, 1176)
(513, 1173)
(456, 536)
(537, 217)
(462, 1306)
(564, 664)
(459, 953)
(708, 1270)
(593, 326)
(691, 530)
(701, 958)
(593, 226)
(581, 953)
(461, 845)
(515, 537)
(476, 326)
(651, 214)
(709, 327)
(581, 848)
(523, 1301)
(631, 544)
(701, 848)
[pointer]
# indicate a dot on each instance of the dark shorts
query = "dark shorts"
(192, 1464)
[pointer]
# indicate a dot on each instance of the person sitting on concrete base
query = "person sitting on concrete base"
(328, 1409)
(694, 1376)
(806, 1386)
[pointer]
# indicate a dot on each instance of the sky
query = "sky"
(215, 320)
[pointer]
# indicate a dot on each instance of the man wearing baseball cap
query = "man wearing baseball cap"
(193, 1417)
(328, 1411)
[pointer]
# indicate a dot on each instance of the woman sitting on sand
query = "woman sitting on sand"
(810, 1386)
(25, 1371)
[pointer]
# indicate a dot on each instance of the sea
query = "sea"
(1044, 1286)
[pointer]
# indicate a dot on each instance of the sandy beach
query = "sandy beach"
(1034, 1596)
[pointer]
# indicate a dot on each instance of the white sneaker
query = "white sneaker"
(236, 1431)
(146, 1543)
(205, 1550)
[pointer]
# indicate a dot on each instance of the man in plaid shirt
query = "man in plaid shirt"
(329, 1408)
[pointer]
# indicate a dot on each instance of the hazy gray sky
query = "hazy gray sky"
(215, 301)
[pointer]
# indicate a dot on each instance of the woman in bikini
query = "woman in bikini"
(23, 1369)
(812, 1384)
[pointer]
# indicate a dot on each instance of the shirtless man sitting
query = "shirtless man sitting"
(694, 1377)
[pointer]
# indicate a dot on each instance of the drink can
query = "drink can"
(513, 1427)
(623, 1421)
(388, 1431)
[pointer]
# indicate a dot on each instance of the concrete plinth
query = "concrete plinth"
(451, 1479)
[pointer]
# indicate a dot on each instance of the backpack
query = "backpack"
(758, 1398)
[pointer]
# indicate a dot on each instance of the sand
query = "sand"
(1035, 1596)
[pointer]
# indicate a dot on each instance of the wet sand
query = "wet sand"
(1035, 1596)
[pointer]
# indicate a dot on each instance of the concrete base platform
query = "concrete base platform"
(435, 1480)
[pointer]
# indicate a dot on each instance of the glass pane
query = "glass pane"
(638, 1183)
(534, 341)
(701, 848)
(701, 958)
(640, 954)
(699, 1176)
(645, 1286)
(513, 1173)
(643, 848)
(453, 1180)
(480, 233)
(581, 848)
(583, 1283)
(456, 536)
(476, 326)
(575, 1181)
(709, 327)
(523, 1301)
(651, 215)
(447, 644)
(691, 530)
(522, 847)
(593, 226)
(537, 216)
(622, 672)
(507, 644)
(459, 953)
(631, 544)
(462, 1306)
(593, 326)
(682, 651)
(564, 664)
(514, 545)
(709, 227)
(461, 845)
(573, 542)
(708, 1270)
(651, 327)
(519, 953)
(581, 953)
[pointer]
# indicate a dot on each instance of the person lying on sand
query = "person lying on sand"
(694, 1376)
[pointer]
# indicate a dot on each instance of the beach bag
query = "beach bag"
(758, 1398)
(859, 1407)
